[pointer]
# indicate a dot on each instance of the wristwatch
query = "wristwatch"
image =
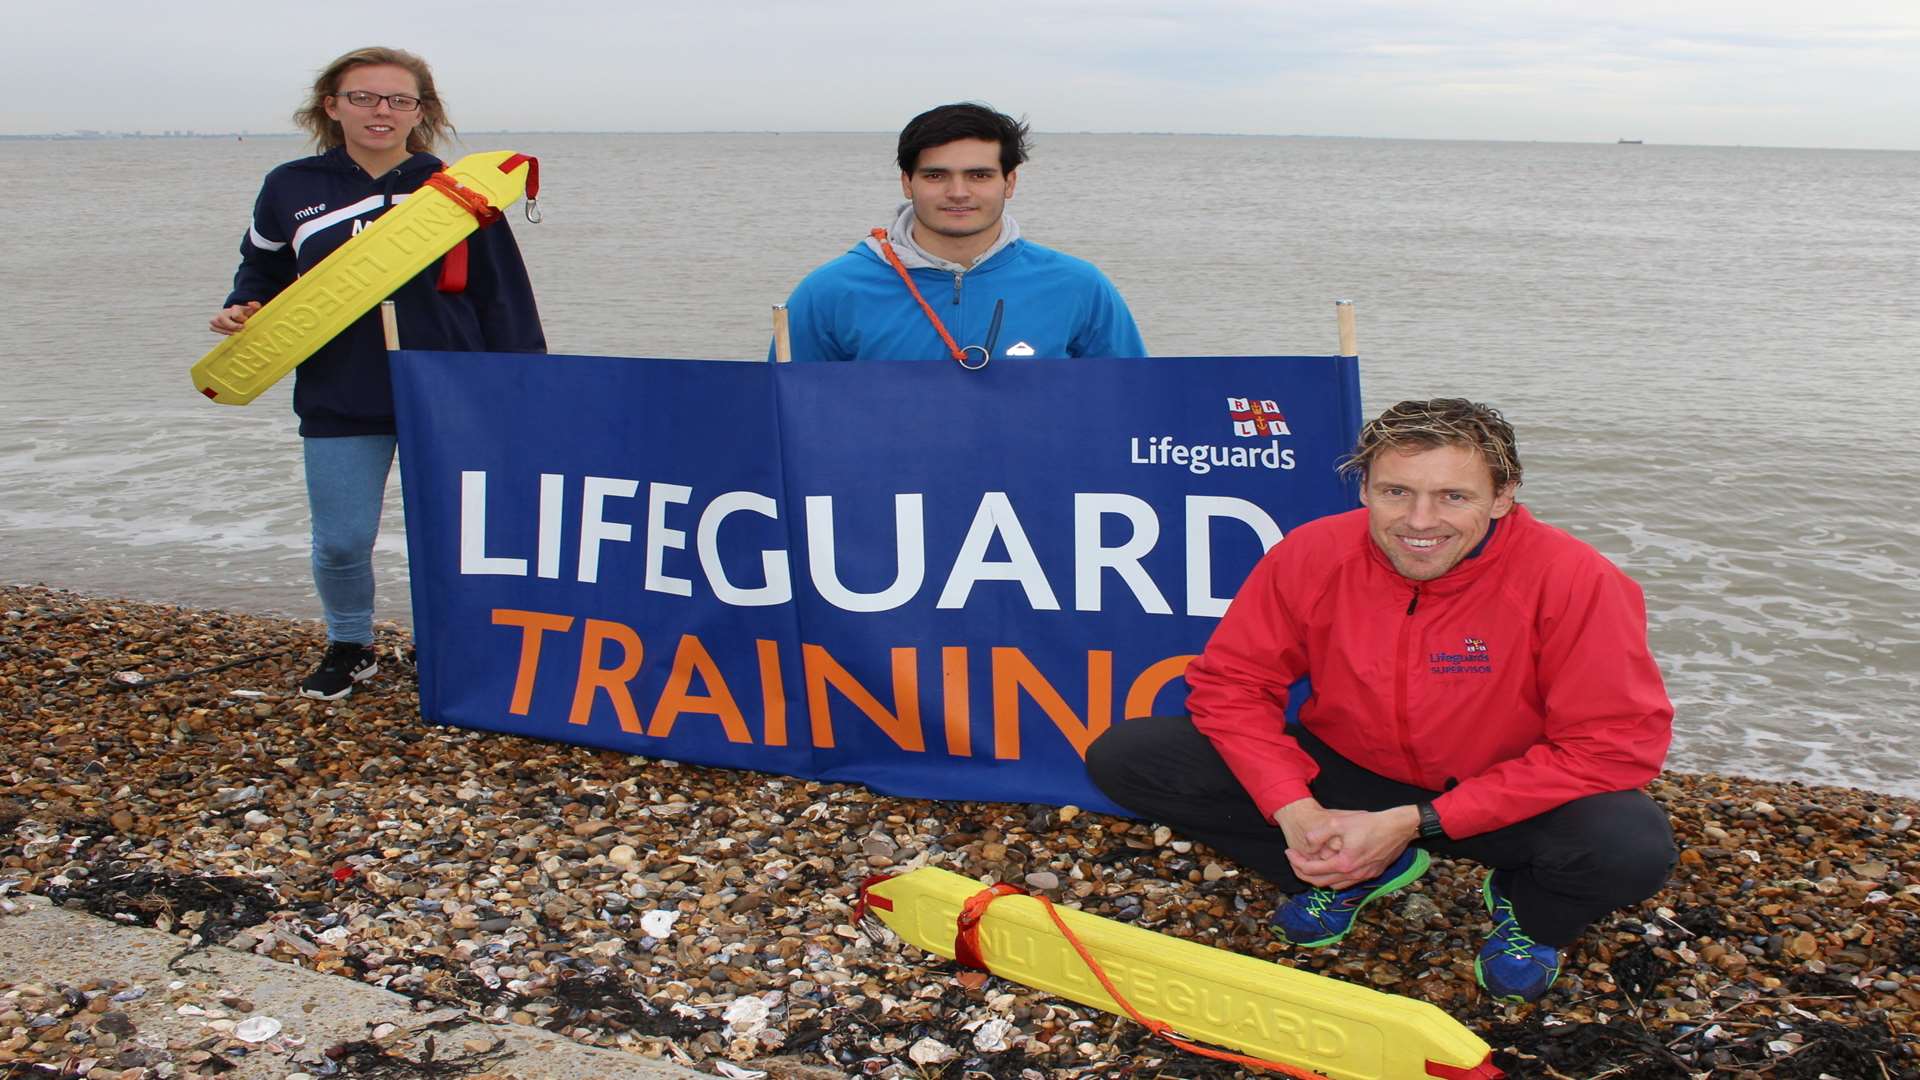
(1430, 823)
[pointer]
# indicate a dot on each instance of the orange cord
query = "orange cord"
(886, 248)
(966, 950)
(966, 938)
(470, 200)
(966, 944)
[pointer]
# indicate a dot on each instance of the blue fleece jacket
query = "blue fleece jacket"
(857, 308)
(309, 207)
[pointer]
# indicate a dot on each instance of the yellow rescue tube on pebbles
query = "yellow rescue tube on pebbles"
(355, 278)
(1262, 1009)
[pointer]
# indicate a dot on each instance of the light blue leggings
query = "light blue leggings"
(346, 483)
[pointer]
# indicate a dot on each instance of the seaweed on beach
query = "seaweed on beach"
(363, 1059)
(1834, 1049)
(604, 996)
(1143, 1056)
(1819, 1048)
(117, 686)
(78, 831)
(1628, 1051)
(1701, 920)
(1621, 1051)
(229, 904)
(1821, 984)
(1906, 952)
(470, 989)
(1637, 970)
(852, 1036)
(1155, 1061)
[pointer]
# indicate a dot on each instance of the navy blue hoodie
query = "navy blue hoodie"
(309, 207)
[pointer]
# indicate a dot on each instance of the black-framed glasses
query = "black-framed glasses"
(367, 99)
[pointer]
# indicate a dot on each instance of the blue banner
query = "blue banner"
(935, 582)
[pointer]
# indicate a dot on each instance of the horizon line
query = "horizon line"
(96, 135)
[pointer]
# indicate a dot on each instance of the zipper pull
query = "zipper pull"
(1415, 602)
(956, 289)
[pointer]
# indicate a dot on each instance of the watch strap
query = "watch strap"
(1430, 822)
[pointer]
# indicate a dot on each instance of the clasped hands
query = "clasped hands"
(1336, 849)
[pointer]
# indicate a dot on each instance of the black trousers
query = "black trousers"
(1562, 870)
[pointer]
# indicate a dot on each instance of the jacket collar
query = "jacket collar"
(338, 158)
(913, 257)
(1501, 536)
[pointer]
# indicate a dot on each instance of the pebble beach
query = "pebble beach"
(158, 767)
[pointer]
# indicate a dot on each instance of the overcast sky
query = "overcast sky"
(1839, 73)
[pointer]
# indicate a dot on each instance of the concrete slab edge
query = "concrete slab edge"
(44, 945)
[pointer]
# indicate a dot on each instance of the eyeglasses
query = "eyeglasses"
(367, 99)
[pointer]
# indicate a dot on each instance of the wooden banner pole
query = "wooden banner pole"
(390, 325)
(1343, 312)
(782, 341)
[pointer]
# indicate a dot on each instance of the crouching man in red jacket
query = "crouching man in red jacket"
(1482, 689)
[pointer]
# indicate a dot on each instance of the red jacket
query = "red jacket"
(1516, 682)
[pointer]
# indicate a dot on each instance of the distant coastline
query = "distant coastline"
(88, 135)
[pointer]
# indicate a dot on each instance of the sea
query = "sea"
(1709, 354)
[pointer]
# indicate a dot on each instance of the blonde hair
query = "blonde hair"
(1413, 426)
(432, 128)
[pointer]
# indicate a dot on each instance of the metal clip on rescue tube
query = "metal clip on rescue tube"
(364, 271)
(1287, 1020)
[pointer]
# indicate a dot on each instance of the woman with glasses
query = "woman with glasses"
(375, 118)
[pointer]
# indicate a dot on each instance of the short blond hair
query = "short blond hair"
(1413, 426)
(432, 128)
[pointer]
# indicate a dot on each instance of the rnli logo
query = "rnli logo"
(1250, 419)
(1254, 419)
(1472, 659)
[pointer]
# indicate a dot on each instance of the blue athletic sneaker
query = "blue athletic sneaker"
(1512, 966)
(1323, 916)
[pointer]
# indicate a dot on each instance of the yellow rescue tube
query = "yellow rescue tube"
(1262, 1009)
(357, 276)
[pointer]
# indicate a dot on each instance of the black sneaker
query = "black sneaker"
(346, 663)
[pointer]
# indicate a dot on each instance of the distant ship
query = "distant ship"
(1633, 142)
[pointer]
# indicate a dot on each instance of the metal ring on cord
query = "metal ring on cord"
(953, 348)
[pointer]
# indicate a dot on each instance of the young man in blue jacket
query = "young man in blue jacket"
(953, 277)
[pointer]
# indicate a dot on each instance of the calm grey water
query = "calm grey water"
(1709, 354)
